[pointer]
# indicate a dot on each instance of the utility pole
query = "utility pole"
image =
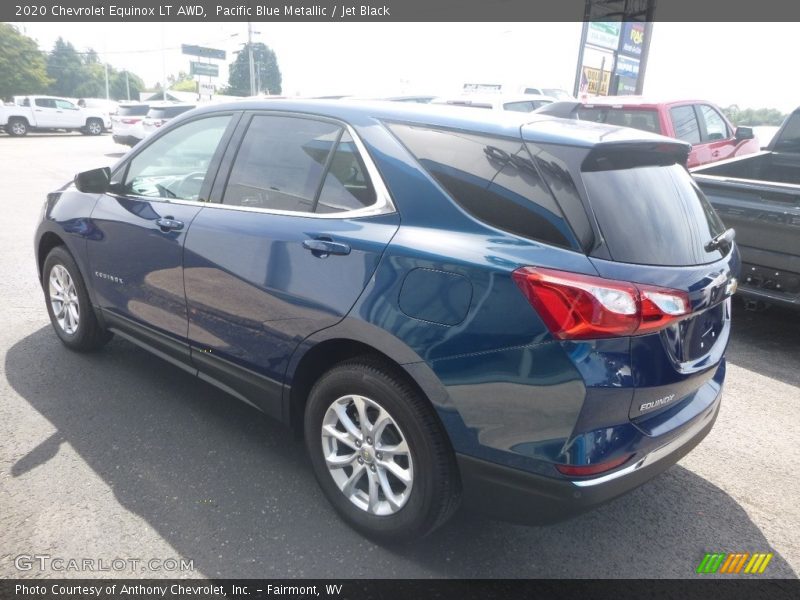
(127, 85)
(108, 97)
(250, 58)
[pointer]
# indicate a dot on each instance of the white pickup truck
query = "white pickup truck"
(33, 113)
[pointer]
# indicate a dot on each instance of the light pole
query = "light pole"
(250, 58)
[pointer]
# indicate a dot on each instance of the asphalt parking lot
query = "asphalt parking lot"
(119, 455)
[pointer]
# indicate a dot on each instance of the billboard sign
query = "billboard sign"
(632, 39)
(627, 67)
(206, 69)
(604, 34)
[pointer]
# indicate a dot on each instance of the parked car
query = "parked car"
(160, 114)
(524, 312)
(42, 113)
(517, 103)
(556, 93)
(700, 123)
(759, 196)
(109, 108)
(126, 125)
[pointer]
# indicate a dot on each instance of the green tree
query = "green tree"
(753, 116)
(65, 68)
(268, 74)
(121, 81)
(22, 65)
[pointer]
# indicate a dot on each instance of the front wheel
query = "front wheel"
(379, 452)
(71, 312)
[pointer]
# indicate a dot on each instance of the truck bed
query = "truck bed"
(759, 196)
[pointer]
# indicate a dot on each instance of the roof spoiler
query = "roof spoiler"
(564, 109)
(627, 155)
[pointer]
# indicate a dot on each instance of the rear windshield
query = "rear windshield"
(133, 111)
(167, 112)
(653, 215)
(789, 140)
(643, 119)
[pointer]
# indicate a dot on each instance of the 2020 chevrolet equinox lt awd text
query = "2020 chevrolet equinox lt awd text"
(525, 313)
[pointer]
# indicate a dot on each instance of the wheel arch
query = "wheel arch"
(316, 358)
(47, 242)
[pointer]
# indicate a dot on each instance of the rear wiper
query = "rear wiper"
(724, 238)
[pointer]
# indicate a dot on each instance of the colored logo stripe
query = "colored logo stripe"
(719, 562)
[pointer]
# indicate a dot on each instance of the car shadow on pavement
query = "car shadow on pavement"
(767, 342)
(232, 490)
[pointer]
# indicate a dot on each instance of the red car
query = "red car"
(698, 122)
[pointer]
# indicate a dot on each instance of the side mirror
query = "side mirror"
(94, 181)
(744, 133)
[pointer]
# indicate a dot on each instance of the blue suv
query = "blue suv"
(520, 312)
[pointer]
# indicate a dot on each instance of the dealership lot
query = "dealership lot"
(118, 455)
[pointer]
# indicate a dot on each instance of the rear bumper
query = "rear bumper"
(522, 497)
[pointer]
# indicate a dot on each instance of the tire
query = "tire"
(75, 321)
(423, 484)
(94, 127)
(17, 127)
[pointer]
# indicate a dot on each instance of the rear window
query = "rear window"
(653, 215)
(133, 111)
(493, 179)
(789, 140)
(167, 112)
(643, 119)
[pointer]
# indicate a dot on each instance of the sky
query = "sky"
(749, 64)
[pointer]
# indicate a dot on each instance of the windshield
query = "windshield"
(654, 215)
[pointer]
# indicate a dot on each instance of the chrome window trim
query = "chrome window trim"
(383, 204)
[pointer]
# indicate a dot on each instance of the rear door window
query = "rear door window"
(685, 123)
(653, 215)
(493, 179)
(300, 165)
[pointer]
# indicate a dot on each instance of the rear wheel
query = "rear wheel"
(379, 452)
(94, 127)
(17, 127)
(71, 312)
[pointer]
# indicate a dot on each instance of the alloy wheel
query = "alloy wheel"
(367, 455)
(64, 299)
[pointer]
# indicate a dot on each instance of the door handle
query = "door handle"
(322, 248)
(169, 224)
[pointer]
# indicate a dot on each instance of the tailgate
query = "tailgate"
(766, 217)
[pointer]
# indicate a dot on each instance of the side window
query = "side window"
(493, 179)
(685, 123)
(716, 128)
(175, 165)
(526, 106)
(281, 162)
(347, 186)
(45, 102)
(65, 105)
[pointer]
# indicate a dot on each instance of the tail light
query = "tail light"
(576, 306)
(130, 121)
